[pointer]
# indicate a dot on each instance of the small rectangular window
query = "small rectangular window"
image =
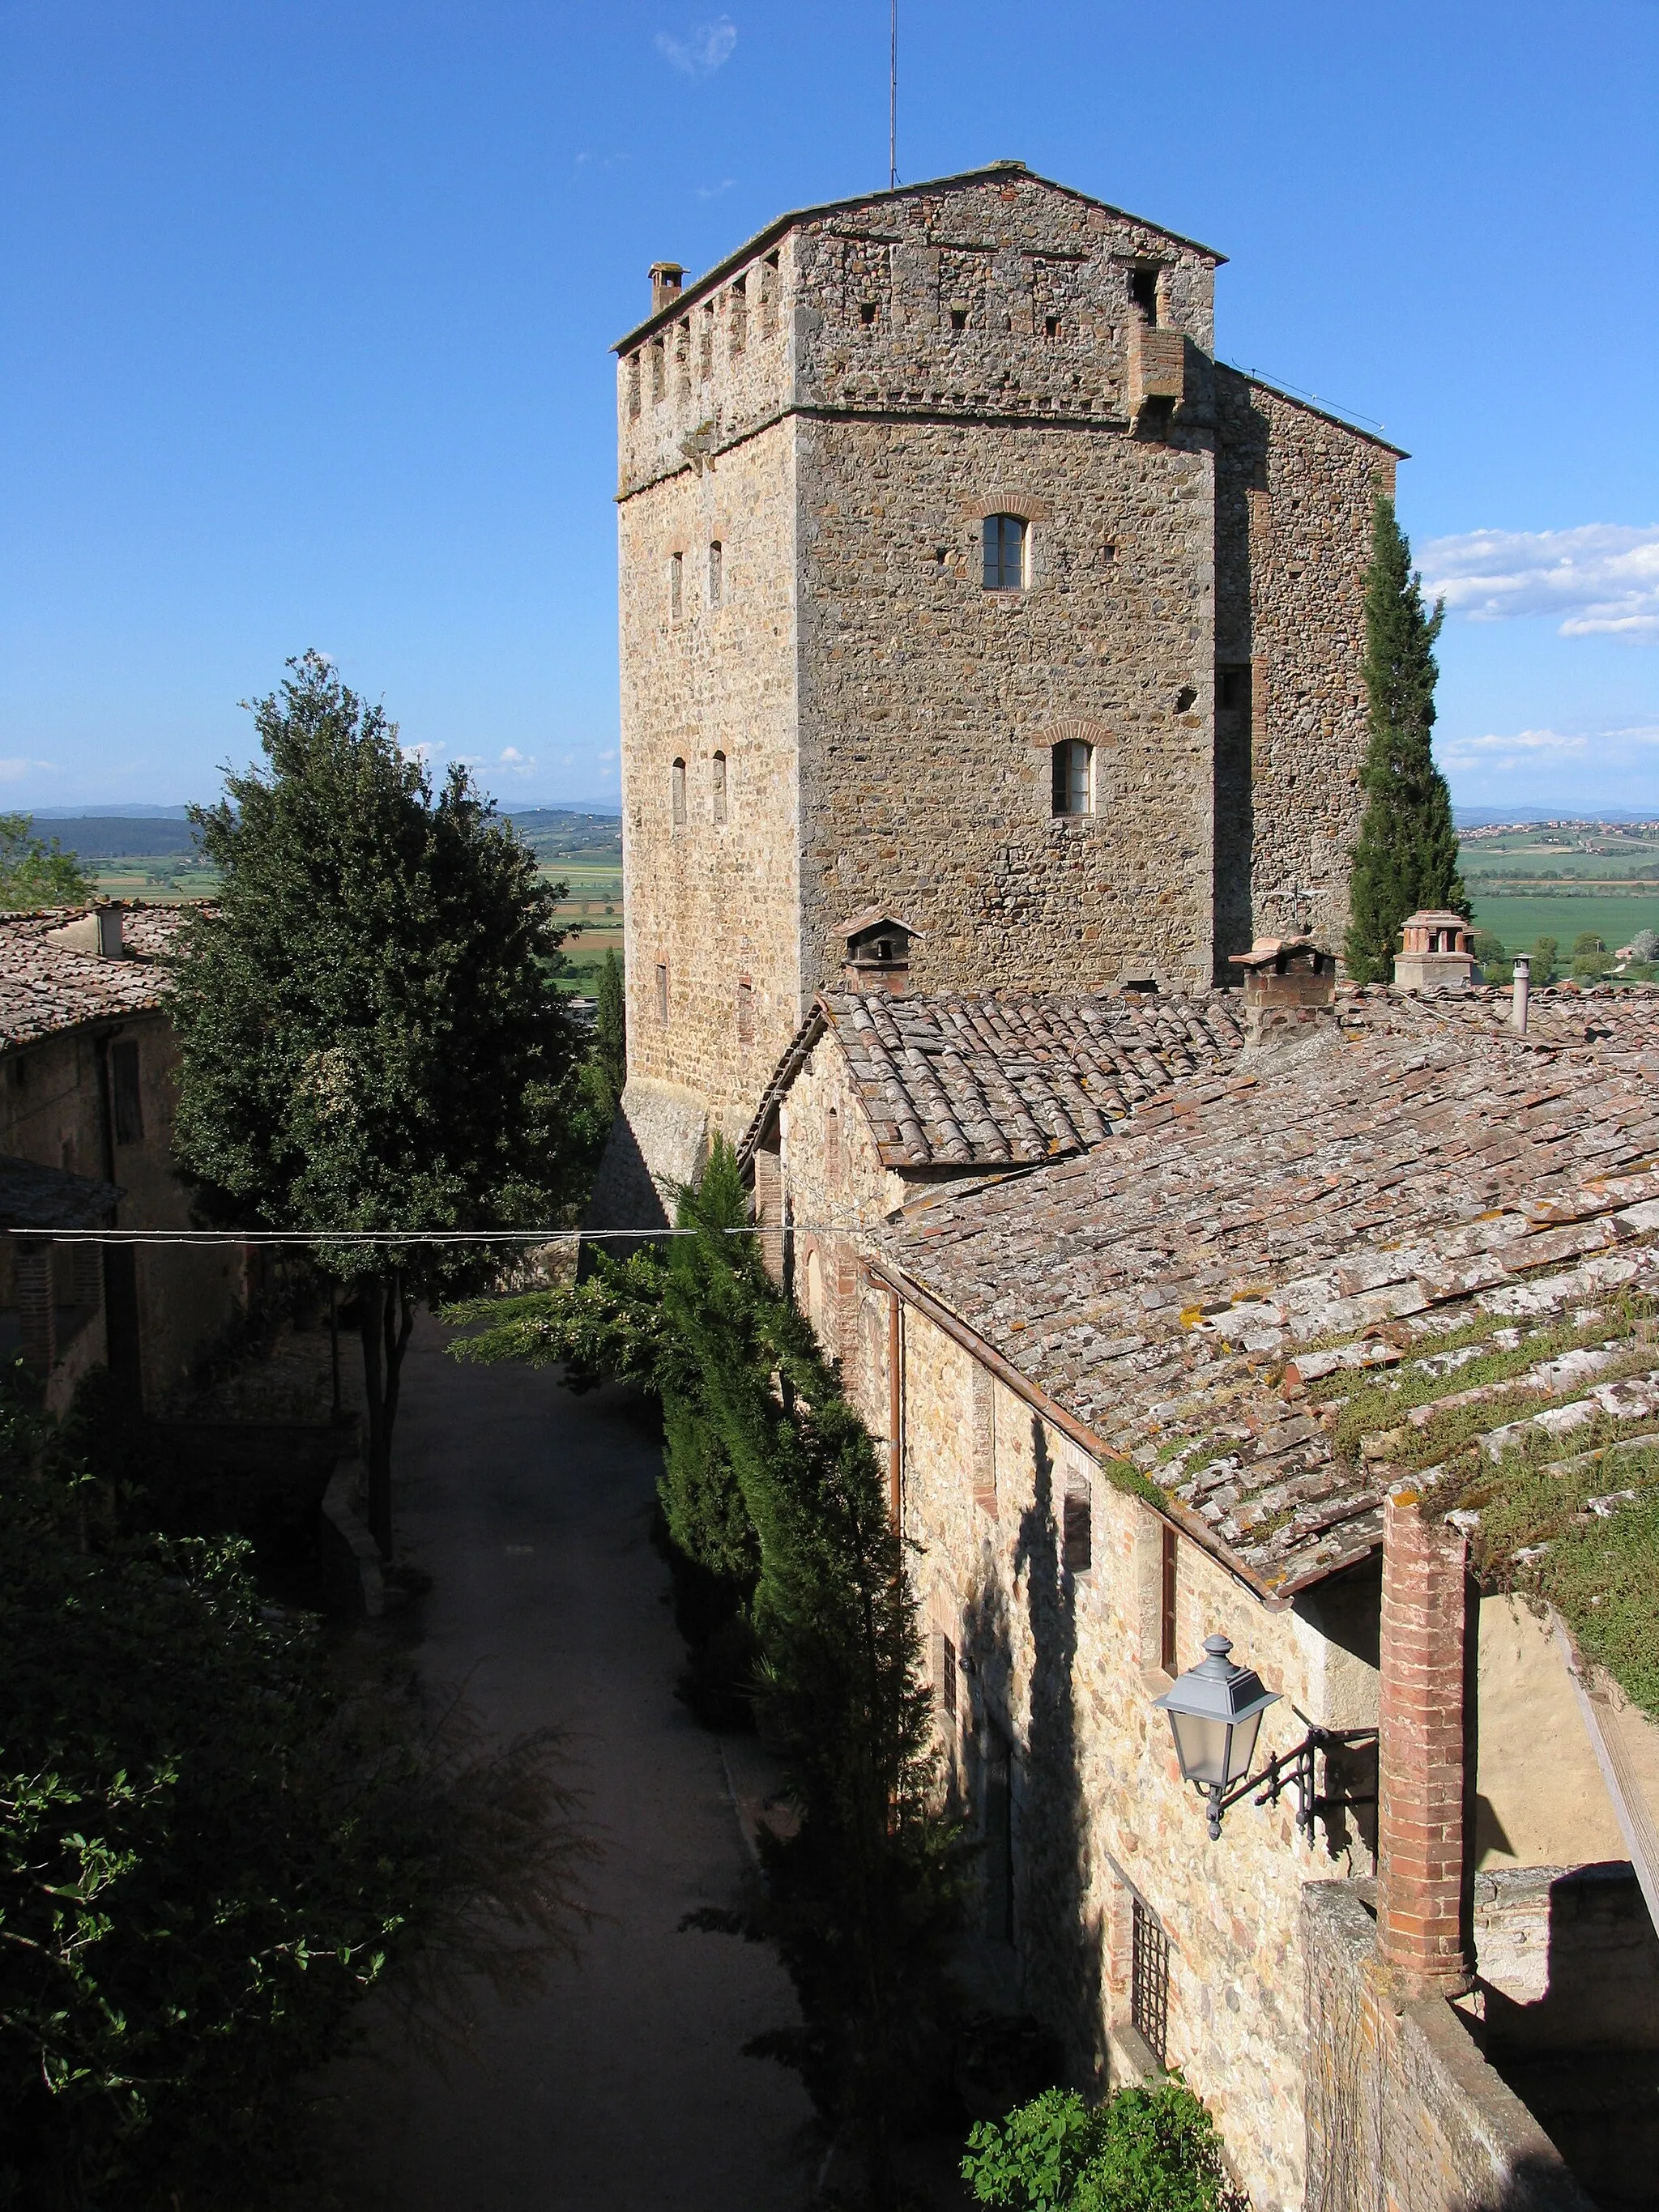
(714, 564)
(958, 319)
(662, 992)
(1051, 326)
(633, 384)
(1169, 1656)
(1149, 1981)
(1143, 291)
(676, 793)
(1078, 1533)
(866, 312)
(128, 1100)
(1004, 540)
(717, 788)
(659, 371)
(947, 1677)
(676, 585)
(745, 1010)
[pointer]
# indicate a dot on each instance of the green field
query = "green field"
(1521, 921)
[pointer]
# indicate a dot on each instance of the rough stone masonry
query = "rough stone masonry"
(1106, 746)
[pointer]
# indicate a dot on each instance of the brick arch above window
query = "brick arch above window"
(1009, 499)
(1083, 731)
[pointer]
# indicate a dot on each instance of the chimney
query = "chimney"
(668, 281)
(1437, 952)
(109, 943)
(1523, 997)
(878, 951)
(1425, 1753)
(1289, 993)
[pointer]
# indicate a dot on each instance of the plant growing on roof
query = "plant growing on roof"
(370, 1037)
(1406, 855)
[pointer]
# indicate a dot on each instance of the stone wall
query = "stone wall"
(1295, 494)
(1402, 2111)
(1063, 1663)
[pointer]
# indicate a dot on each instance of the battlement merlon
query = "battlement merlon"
(996, 294)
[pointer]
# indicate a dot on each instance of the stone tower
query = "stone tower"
(960, 585)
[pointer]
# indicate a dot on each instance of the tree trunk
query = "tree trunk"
(387, 1316)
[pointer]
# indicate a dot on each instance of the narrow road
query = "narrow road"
(622, 2086)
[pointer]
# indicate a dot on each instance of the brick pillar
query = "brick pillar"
(36, 1315)
(1423, 1926)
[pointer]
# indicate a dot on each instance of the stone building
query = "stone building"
(1167, 1317)
(87, 1061)
(960, 582)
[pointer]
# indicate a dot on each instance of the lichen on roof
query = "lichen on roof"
(1433, 1252)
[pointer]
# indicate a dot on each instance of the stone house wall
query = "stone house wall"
(52, 1111)
(1063, 1666)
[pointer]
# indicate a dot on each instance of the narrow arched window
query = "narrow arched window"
(1004, 539)
(1074, 777)
(717, 787)
(715, 559)
(677, 789)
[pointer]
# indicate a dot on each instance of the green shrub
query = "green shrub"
(211, 1847)
(1489, 950)
(1143, 2150)
(1545, 952)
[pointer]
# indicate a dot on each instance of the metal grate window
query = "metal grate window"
(1149, 1982)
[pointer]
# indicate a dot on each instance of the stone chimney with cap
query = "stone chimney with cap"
(667, 282)
(1290, 993)
(877, 956)
(1439, 952)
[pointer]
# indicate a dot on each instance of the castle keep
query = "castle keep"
(962, 587)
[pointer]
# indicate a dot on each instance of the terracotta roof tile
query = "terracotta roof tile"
(52, 977)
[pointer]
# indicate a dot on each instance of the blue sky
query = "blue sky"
(305, 307)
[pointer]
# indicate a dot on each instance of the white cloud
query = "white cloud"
(1604, 750)
(14, 771)
(703, 50)
(713, 192)
(1600, 579)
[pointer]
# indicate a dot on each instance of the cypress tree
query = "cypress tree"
(1406, 855)
(611, 1029)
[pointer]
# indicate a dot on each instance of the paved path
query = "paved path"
(624, 2087)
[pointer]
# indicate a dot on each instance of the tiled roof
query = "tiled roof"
(1263, 1259)
(49, 981)
(998, 1082)
(36, 1197)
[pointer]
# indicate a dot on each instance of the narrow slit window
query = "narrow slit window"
(716, 563)
(768, 295)
(659, 371)
(676, 793)
(682, 356)
(983, 1431)
(706, 342)
(738, 310)
(831, 1145)
(1149, 1981)
(1169, 1657)
(128, 1099)
(947, 1677)
(676, 585)
(662, 992)
(1074, 777)
(1143, 291)
(745, 1010)
(717, 788)
(633, 384)
(1078, 1533)
(1004, 537)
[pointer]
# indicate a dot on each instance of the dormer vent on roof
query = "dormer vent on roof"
(111, 943)
(1438, 951)
(878, 951)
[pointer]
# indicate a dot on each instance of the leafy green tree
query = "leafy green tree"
(1143, 2150)
(371, 1040)
(213, 1843)
(34, 873)
(1587, 941)
(610, 1028)
(1545, 952)
(772, 1481)
(1644, 945)
(1406, 855)
(1490, 951)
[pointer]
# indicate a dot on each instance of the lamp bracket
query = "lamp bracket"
(1294, 1769)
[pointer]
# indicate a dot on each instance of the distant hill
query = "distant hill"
(157, 833)
(1488, 817)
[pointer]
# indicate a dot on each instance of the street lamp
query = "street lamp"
(1215, 1711)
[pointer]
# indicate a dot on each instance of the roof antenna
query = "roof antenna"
(892, 97)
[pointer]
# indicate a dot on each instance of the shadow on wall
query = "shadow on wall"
(1028, 1808)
